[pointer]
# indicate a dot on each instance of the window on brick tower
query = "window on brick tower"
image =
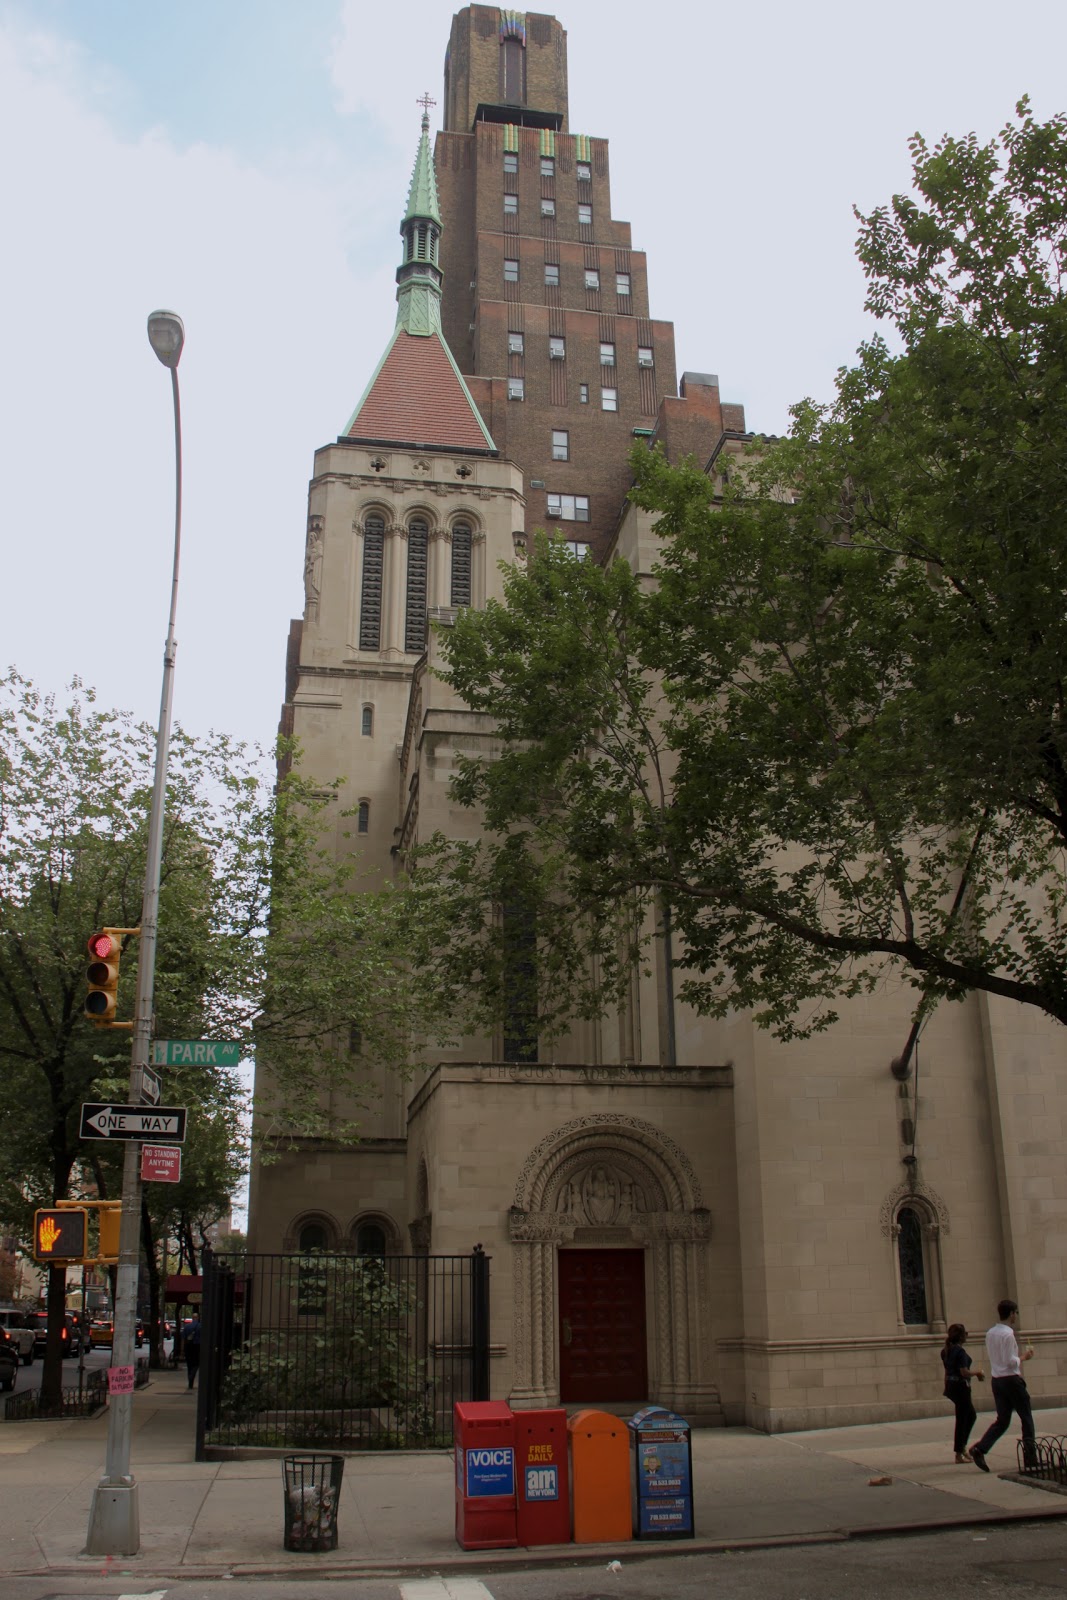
(557, 349)
(548, 166)
(585, 216)
(512, 71)
(577, 547)
(607, 354)
(583, 172)
(511, 161)
(609, 399)
(569, 507)
(551, 274)
(561, 444)
(592, 278)
(511, 271)
(583, 394)
(415, 611)
(644, 355)
(461, 564)
(515, 344)
(370, 603)
(548, 208)
(511, 205)
(516, 388)
(622, 285)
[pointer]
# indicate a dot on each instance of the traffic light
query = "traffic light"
(110, 1223)
(105, 950)
(60, 1235)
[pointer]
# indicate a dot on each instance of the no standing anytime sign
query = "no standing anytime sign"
(161, 1163)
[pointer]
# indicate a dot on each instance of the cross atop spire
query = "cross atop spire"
(426, 101)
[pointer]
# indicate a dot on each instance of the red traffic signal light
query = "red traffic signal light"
(105, 949)
(60, 1235)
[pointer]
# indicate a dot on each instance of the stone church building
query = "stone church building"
(677, 1210)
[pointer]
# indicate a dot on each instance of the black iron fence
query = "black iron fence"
(1043, 1457)
(339, 1351)
(76, 1401)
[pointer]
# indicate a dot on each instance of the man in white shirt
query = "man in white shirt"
(1009, 1390)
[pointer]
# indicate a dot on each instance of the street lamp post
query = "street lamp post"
(114, 1520)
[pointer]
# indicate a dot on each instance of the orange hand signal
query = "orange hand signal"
(48, 1235)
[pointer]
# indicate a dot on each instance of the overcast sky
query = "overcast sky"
(246, 163)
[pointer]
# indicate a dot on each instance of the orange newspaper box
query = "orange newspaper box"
(542, 1479)
(484, 1435)
(600, 1478)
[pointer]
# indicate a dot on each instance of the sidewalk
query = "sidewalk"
(209, 1519)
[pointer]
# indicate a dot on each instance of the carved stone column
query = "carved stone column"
(534, 1239)
(394, 587)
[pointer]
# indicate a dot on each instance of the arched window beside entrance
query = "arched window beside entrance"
(911, 1266)
(916, 1237)
(374, 1234)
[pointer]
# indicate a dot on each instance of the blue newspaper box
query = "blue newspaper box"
(484, 1437)
(662, 1451)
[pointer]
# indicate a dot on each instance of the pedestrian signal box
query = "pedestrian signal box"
(60, 1236)
(110, 1223)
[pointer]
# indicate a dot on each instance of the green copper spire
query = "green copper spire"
(422, 195)
(419, 277)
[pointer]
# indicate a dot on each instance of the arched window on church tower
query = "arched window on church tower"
(415, 617)
(461, 564)
(370, 603)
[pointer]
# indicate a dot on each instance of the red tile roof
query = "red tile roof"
(417, 398)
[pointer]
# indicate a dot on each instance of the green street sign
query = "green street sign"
(195, 1053)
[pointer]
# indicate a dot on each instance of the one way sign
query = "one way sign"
(133, 1122)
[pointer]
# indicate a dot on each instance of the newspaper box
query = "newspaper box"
(484, 1436)
(542, 1479)
(600, 1478)
(663, 1474)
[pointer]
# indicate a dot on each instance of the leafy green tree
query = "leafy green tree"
(264, 937)
(831, 735)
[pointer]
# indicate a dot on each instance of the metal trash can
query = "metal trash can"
(312, 1493)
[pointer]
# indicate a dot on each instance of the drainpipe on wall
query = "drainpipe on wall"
(668, 956)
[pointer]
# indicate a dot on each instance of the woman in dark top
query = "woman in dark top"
(958, 1374)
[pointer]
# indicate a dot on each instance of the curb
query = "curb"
(489, 1561)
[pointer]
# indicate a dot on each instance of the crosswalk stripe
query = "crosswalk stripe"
(444, 1589)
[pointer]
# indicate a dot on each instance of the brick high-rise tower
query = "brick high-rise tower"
(545, 301)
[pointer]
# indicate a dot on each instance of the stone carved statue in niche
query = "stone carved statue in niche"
(313, 568)
(599, 1196)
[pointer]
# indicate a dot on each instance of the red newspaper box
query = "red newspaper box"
(484, 1435)
(542, 1478)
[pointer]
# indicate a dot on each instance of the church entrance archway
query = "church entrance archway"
(604, 1185)
(603, 1354)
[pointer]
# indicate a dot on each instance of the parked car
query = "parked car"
(101, 1331)
(9, 1360)
(72, 1343)
(16, 1325)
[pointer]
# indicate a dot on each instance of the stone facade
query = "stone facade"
(804, 1221)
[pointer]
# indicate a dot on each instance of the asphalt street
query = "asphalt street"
(1026, 1561)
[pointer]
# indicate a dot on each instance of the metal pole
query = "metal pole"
(114, 1520)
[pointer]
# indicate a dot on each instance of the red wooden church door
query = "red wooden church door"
(602, 1355)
